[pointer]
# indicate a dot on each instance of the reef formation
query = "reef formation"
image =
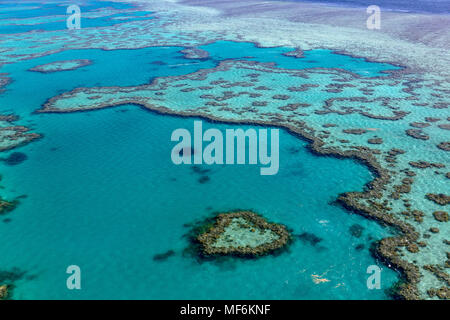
(396, 124)
(399, 190)
(66, 65)
(13, 136)
(243, 233)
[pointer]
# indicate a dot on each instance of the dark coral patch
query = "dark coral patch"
(445, 126)
(7, 206)
(375, 141)
(417, 134)
(200, 170)
(356, 230)
(8, 279)
(354, 131)
(310, 238)
(204, 179)
(440, 216)
(444, 146)
(15, 158)
(419, 124)
(163, 256)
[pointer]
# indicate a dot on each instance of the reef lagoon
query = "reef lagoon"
(86, 118)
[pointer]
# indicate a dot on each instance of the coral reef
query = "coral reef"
(66, 65)
(441, 216)
(440, 198)
(385, 199)
(242, 233)
(163, 256)
(414, 94)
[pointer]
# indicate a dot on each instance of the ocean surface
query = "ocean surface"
(422, 6)
(102, 193)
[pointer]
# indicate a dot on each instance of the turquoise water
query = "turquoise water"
(134, 67)
(221, 50)
(102, 193)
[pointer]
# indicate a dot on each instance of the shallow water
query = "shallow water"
(104, 195)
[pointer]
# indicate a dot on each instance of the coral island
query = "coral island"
(243, 233)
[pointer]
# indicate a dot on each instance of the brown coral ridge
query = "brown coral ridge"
(417, 134)
(442, 293)
(440, 198)
(4, 81)
(386, 250)
(421, 164)
(440, 216)
(208, 238)
(438, 272)
(444, 146)
(19, 132)
(7, 206)
(9, 117)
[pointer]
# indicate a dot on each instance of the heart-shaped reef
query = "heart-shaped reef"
(243, 233)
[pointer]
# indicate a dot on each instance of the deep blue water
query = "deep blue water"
(425, 6)
(60, 9)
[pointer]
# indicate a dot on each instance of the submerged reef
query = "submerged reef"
(8, 279)
(66, 65)
(7, 206)
(14, 136)
(163, 256)
(242, 233)
(14, 158)
(11, 137)
(310, 238)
